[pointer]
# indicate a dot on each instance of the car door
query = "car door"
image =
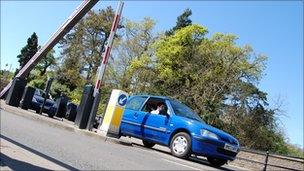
(133, 117)
(156, 127)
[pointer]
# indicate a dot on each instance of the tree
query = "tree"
(69, 72)
(87, 40)
(133, 46)
(81, 53)
(28, 51)
(82, 48)
(37, 76)
(204, 70)
(182, 21)
(46, 62)
(5, 77)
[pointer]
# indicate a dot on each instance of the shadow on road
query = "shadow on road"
(205, 162)
(68, 167)
(192, 159)
(17, 164)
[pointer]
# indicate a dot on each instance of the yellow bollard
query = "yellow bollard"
(114, 112)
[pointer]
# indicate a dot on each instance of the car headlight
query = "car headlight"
(209, 134)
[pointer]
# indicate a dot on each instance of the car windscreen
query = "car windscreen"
(38, 92)
(41, 93)
(182, 110)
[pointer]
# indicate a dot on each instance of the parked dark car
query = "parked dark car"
(71, 111)
(37, 101)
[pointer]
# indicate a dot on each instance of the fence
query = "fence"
(258, 160)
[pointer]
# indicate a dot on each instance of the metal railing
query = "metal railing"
(277, 156)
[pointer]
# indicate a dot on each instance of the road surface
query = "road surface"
(44, 145)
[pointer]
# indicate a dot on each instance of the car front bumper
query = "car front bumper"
(37, 107)
(211, 148)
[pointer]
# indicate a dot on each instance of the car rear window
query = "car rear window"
(135, 102)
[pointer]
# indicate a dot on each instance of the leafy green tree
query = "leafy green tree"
(248, 116)
(133, 42)
(5, 77)
(81, 53)
(46, 62)
(182, 21)
(28, 51)
(37, 81)
(85, 43)
(69, 73)
(134, 46)
(201, 71)
(295, 150)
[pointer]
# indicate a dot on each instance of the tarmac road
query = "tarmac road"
(47, 146)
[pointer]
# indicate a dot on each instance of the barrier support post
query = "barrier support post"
(266, 161)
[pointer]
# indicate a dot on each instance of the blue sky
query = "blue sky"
(273, 28)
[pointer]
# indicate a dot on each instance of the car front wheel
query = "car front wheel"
(216, 162)
(181, 145)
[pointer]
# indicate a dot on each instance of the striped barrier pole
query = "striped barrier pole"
(107, 52)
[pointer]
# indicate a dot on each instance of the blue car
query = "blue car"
(177, 127)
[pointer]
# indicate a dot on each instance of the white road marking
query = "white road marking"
(235, 166)
(181, 164)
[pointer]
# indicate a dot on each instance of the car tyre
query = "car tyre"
(50, 114)
(216, 162)
(180, 145)
(148, 144)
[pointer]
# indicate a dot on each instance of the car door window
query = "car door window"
(135, 103)
(152, 104)
(155, 122)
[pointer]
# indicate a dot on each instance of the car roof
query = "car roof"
(38, 89)
(153, 96)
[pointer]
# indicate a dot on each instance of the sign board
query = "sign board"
(122, 100)
(114, 112)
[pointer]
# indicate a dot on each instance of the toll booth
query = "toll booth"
(114, 112)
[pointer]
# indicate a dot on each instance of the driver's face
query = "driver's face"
(162, 107)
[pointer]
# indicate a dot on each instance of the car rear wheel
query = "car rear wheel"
(181, 145)
(148, 144)
(216, 162)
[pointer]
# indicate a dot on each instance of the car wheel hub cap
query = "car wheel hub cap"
(180, 145)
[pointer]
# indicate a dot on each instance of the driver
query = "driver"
(160, 108)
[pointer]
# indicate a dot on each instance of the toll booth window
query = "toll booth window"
(135, 103)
